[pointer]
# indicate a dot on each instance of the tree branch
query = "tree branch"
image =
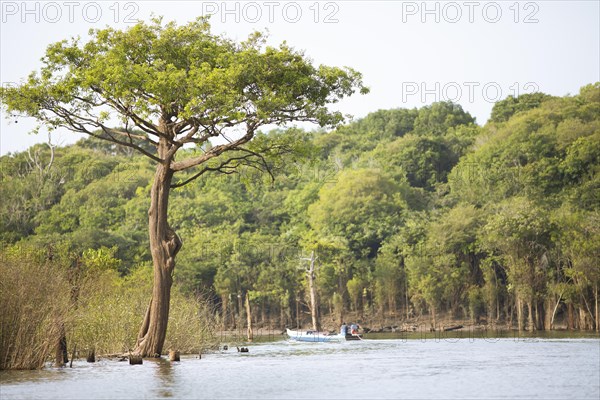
(220, 168)
(214, 152)
(77, 123)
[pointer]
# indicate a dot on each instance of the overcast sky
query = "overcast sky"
(410, 53)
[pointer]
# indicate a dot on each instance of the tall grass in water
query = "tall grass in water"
(110, 310)
(34, 305)
(99, 310)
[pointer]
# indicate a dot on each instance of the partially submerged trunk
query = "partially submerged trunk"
(164, 246)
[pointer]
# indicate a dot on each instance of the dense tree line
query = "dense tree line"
(410, 212)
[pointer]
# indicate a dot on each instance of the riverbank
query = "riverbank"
(395, 327)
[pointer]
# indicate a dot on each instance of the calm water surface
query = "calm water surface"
(426, 368)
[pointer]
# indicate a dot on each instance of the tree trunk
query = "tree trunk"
(224, 301)
(570, 320)
(164, 246)
(551, 325)
(282, 319)
(596, 298)
(583, 319)
(249, 318)
(406, 298)
(298, 313)
(240, 314)
(314, 308)
(263, 313)
(61, 356)
(509, 310)
(530, 320)
(498, 303)
(539, 315)
(519, 313)
(591, 324)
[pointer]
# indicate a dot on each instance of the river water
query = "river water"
(427, 368)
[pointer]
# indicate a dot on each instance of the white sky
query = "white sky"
(410, 53)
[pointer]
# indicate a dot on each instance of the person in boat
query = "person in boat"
(354, 329)
(343, 329)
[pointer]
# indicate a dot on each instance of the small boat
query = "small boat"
(312, 336)
(316, 336)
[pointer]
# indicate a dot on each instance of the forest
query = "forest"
(411, 214)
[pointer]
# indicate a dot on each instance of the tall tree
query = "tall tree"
(181, 86)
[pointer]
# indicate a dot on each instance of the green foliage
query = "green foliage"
(435, 120)
(362, 207)
(510, 106)
(416, 210)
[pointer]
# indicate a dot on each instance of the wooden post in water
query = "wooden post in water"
(135, 359)
(174, 355)
(91, 356)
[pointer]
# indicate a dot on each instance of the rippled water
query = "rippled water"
(427, 368)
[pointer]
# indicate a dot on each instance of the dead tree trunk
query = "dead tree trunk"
(164, 246)
(314, 308)
(249, 318)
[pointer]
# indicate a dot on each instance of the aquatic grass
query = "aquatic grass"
(33, 308)
(43, 296)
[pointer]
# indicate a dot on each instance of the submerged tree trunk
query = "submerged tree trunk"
(164, 246)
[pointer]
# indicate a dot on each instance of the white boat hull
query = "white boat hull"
(313, 336)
